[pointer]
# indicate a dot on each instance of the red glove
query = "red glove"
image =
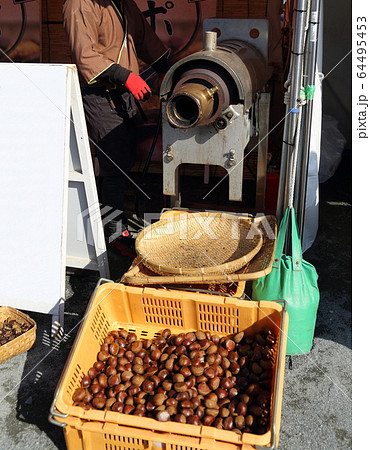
(138, 87)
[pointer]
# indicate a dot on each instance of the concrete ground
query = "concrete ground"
(317, 406)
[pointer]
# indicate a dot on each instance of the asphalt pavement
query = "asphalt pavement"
(317, 405)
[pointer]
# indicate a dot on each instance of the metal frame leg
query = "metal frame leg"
(263, 123)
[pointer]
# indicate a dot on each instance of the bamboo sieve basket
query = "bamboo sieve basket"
(208, 243)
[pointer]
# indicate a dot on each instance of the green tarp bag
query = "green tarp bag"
(295, 280)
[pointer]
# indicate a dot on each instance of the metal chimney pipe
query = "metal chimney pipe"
(210, 41)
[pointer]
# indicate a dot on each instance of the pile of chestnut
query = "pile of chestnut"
(195, 378)
(11, 328)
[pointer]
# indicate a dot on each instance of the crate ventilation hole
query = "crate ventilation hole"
(179, 447)
(217, 318)
(163, 312)
(99, 325)
(114, 442)
(75, 380)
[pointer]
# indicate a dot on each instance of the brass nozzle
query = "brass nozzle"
(190, 105)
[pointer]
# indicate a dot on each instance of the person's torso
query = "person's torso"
(116, 33)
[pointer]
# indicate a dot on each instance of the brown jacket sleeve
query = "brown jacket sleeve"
(96, 38)
(81, 23)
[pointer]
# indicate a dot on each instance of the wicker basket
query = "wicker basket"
(21, 343)
(198, 243)
(260, 266)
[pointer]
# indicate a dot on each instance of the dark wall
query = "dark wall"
(336, 87)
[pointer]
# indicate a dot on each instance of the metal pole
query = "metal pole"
(311, 60)
(296, 69)
(281, 200)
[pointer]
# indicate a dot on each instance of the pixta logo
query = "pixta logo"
(91, 222)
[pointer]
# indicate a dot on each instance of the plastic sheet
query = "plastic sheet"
(332, 146)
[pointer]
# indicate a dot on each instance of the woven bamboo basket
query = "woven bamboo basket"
(23, 342)
(260, 266)
(205, 243)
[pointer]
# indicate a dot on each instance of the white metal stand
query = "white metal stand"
(85, 236)
(49, 209)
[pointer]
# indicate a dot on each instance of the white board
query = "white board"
(35, 141)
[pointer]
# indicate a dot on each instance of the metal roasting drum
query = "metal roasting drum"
(211, 102)
(206, 83)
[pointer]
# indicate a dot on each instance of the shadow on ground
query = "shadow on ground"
(45, 362)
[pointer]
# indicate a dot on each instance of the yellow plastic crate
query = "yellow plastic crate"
(147, 311)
